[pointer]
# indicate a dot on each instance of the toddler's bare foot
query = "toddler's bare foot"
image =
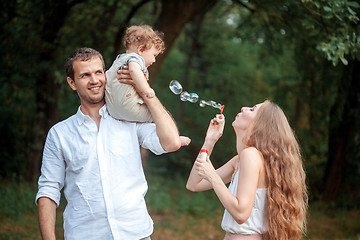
(184, 140)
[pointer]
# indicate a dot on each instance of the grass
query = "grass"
(177, 213)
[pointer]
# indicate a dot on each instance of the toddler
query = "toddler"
(143, 45)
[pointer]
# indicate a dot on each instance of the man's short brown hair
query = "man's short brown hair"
(82, 54)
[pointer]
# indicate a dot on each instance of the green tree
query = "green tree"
(326, 100)
(301, 54)
(51, 28)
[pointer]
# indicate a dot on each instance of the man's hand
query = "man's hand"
(123, 75)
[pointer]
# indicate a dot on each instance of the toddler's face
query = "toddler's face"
(149, 55)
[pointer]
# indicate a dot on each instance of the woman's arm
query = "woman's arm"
(196, 182)
(239, 207)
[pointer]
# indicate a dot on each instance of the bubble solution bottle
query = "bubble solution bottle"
(203, 154)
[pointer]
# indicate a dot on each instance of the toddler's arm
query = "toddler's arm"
(141, 82)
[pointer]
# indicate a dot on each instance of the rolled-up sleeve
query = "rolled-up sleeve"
(148, 138)
(52, 176)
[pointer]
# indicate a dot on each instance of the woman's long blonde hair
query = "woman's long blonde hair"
(287, 198)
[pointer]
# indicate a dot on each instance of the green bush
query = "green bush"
(17, 198)
(168, 194)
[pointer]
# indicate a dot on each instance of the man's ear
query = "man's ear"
(71, 83)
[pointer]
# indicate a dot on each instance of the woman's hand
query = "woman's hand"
(215, 130)
(205, 169)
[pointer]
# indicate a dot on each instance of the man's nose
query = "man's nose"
(93, 78)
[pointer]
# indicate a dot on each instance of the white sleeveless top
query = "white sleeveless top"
(255, 224)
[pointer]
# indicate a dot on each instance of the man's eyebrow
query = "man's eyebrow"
(83, 74)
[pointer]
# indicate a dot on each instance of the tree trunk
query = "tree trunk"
(172, 19)
(122, 28)
(46, 116)
(342, 129)
(46, 87)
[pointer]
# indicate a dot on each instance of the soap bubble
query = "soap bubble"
(184, 96)
(217, 105)
(211, 103)
(175, 87)
(193, 98)
(202, 103)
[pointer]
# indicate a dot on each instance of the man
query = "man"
(96, 158)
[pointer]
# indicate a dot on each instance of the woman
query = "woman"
(267, 197)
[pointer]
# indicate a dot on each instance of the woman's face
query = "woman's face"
(245, 117)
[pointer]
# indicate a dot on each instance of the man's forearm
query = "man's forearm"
(165, 125)
(47, 218)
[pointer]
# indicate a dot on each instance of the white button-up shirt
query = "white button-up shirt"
(102, 175)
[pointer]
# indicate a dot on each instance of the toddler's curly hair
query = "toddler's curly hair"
(144, 35)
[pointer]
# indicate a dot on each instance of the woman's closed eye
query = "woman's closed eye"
(253, 108)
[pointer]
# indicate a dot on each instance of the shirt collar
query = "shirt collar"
(82, 118)
(103, 111)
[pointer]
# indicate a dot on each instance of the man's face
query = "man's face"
(89, 81)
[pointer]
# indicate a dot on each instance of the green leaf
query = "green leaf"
(351, 11)
(327, 9)
(354, 4)
(343, 60)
